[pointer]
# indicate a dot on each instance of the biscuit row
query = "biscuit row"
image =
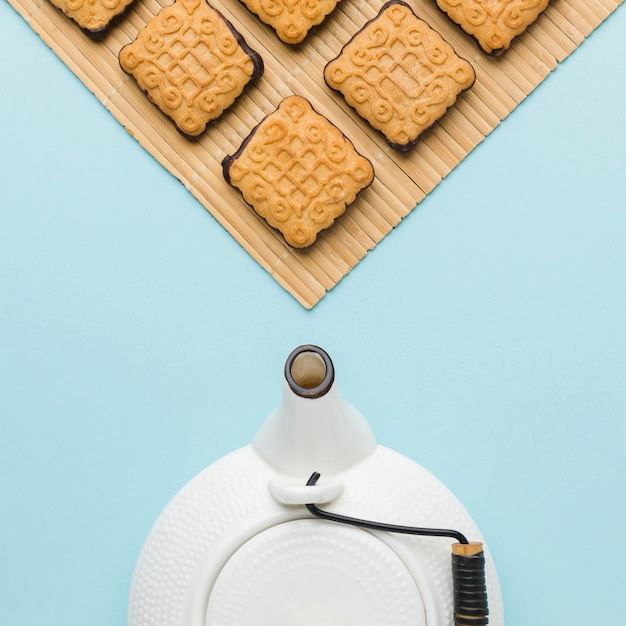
(296, 169)
(493, 24)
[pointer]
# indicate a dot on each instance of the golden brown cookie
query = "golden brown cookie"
(399, 74)
(291, 19)
(298, 171)
(192, 63)
(496, 23)
(93, 16)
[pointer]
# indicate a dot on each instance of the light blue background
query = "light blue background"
(485, 338)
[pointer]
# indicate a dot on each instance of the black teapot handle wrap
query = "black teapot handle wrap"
(469, 584)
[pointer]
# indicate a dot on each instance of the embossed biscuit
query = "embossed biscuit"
(298, 171)
(399, 74)
(93, 16)
(192, 63)
(496, 23)
(291, 19)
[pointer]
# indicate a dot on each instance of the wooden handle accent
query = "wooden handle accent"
(467, 549)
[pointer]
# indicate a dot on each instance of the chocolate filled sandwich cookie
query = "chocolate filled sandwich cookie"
(192, 63)
(399, 75)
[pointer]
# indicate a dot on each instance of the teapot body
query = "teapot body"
(243, 544)
(223, 549)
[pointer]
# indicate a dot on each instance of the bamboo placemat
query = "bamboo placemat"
(402, 181)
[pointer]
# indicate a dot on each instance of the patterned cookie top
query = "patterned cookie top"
(191, 63)
(291, 19)
(399, 74)
(93, 16)
(298, 171)
(496, 23)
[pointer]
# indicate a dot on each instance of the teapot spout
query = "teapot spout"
(313, 428)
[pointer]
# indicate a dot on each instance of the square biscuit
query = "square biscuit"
(291, 19)
(93, 16)
(496, 23)
(399, 75)
(192, 63)
(298, 171)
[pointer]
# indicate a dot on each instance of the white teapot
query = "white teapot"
(308, 526)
